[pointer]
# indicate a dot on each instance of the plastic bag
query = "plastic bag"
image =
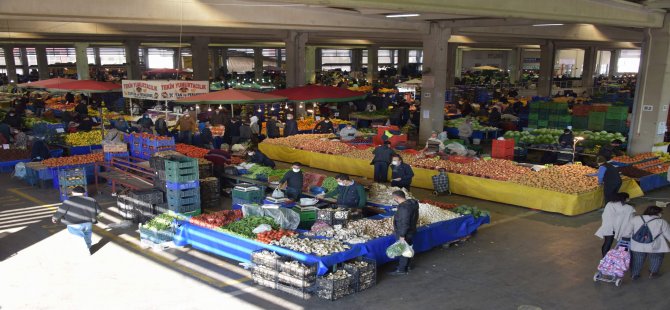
(408, 252)
(262, 228)
(284, 217)
(397, 249)
(248, 210)
(277, 193)
(20, 170)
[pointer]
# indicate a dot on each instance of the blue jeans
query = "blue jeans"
(381, 171)
(84, 230)
(186, 137)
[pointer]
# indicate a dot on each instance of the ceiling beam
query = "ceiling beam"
(605, 12)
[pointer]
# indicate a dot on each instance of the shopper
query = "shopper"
(38, 104)
(236, 131)
(566, 140)
(79, 213)
(257, 157)
(381, 161)
(146, 122)
(609, 178)
(5, 133)
(405, 221)
(324, 126)
(349, 194)
(272, 128)
(255, 130)
(69, 97)
(401, 173)
(465, 131)
(12, 119)
(656, 245)
(495, 117)
(206, 137)
(348, 133)
(291, 126)
(292, 182)
(82, 107)
(161, 126)
(615, 219)
(217, 119)
(86, 124)
(186, 125)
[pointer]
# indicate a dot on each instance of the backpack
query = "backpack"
(643, 234)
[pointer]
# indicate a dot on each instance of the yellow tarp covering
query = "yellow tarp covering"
(487, 189)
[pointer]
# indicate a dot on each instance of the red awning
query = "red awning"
(318, 93)
(87, 86)
(231, 96)
(45, 83)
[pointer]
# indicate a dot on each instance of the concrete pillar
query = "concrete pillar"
(590, 57)
(515, 64)
(200, 52)
(310, 64)
(279, 57)
(224, 60)
(547, 52)
(82, 60)
(96, 55)
(295, 58)
(176, 59)
(10, 65)
(24, 61)
(403, 59)
(458, 63)
(373, 63)
(356, 60)
(650, 111)
(318, 57)
(42, 63)
(258, 63)
(614, 62)
(145, 58)
(133, 70)
(215, 62)
(451, 64)
(434, 85)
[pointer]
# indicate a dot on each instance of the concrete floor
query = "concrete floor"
(524, 258)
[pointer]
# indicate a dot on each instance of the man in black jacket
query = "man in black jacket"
(79, 213)
(292, 181)
(291, 126)
(405, 221)
(272, 129)
(381, 161)
(324, 126)
(257, 157)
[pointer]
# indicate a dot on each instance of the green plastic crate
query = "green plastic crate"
(181, 162)
(533, 116)
(252, 196)
(187, 214)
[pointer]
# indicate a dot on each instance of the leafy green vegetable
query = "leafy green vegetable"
(329, 184)
(474, 211)
(278, 173)
(245, 226)
(258, 170)
(161, 222)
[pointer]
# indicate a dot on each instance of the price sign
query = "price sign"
(5, 146)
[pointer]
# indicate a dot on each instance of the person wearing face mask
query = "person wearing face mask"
(272, 128)
(348, 133)
(146, 122)
(255, 130)
(257, 157)
(291, 126)
(382, 159)
(292, 182)
(405, 221)
(12, 119)
(401, 173)
(324, 126)
(348, 192)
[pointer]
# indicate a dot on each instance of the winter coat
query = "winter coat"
(615, 219)
(658, 227)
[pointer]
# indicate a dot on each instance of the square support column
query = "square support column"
(145, 58)
(373, 63)
(452, 49)
(547, 54)
(133, 70)
(24, 62)
(614, 63)
(434, 85)
(258, 63)
(98, 60)
(590, 57)
(278, 53)
(215, 62)
(310, 64)
(356, 60)
(652, 96)
(458, 63)
(403, 60)
(200, 60)
(176, 59)
(42, 63)
(295, 58)
(10, 65)
(83, 72)
(515, 65)
(224, 61)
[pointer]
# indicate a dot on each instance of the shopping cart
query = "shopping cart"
(613, 266)
(441, 184)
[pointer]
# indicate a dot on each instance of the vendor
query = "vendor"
(324, 126)
(5, 133)
(609, 178)
(217, 118)
(495, 117)
(82, 107)
(609, 151)
(272, 127)
(291, 127)
(401, 173)
(382, 159)
(465, 131)
(349, 193)
(161, 126)
(86, 124)
(69, 97)
(292, 182)
(567, 139)
(39, 150)
(257, 157)
(370, 107)
(145, 122)
(113, 136)
(12, 119)
(122, 125)
(433, 144)
(348, 133)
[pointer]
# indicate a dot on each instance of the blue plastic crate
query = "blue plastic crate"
(8, 166)
(146, 142)
(181, 186)
(80, 150)
(89, 168)
(109, 156)
(55, 153)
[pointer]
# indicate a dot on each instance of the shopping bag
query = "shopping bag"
(397, 249)
(408, 252)
(277, 193)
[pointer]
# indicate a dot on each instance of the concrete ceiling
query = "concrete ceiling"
(349, 23)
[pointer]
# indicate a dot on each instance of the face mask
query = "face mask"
(395, 163)
(296, 169)
(250, 154)
(327, 121)
(340, 183)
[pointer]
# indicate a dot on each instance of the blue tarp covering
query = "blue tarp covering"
(654, 181)
(240, 249)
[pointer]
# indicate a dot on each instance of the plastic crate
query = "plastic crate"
(264, 272)
(364, 271)
(334, 289)
(264, 282)
(56, 153)
(156, 236)
(183, 204)
(306, 216)
(299, 292)
(149, 142)
(186, 214)
(175, 163)
(80, 150)
(110, 156)
(182, 175)
(255, 196)
(171, 193)
(182, 185)
(152, 196)
(299, 269)
(267, 259)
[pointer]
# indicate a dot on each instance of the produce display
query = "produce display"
(475, 124)
(497, 169)
(319, 247)
(550, 136)
(633, 172)
(73, 160)
(274, 235)
(658, 168)
(161, 222)
(14, 154)
(439, 204)
(296, 141)
(383, 195)
(246, 225)
(569, 179)
(217, 219)
(663, 156)
(84, 138)
(329, 184)
(635, 159)
(327, 146)
(474, 211)
(429, 214)
(359, 231)
(308, 123)
(191, 151)
(257, 170)
(379, 114)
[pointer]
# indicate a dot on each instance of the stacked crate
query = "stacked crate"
(114, 150)
(597, 121)
(503, 149)
(145, 146)
(615, 119)
(205, 168)
(336, 287)
(364, 271)
(147, 204)
(209, 193)
(549, 115)
(182, 185)
(68, 179)
(248, 194)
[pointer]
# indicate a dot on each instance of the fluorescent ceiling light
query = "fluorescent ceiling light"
(547, 25)
(402, 15)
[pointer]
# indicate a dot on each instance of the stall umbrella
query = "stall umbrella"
(231, 97)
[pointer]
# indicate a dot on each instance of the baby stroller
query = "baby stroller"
(615, 263)
(441, 183)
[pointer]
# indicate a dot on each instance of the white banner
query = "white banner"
(161, 90)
